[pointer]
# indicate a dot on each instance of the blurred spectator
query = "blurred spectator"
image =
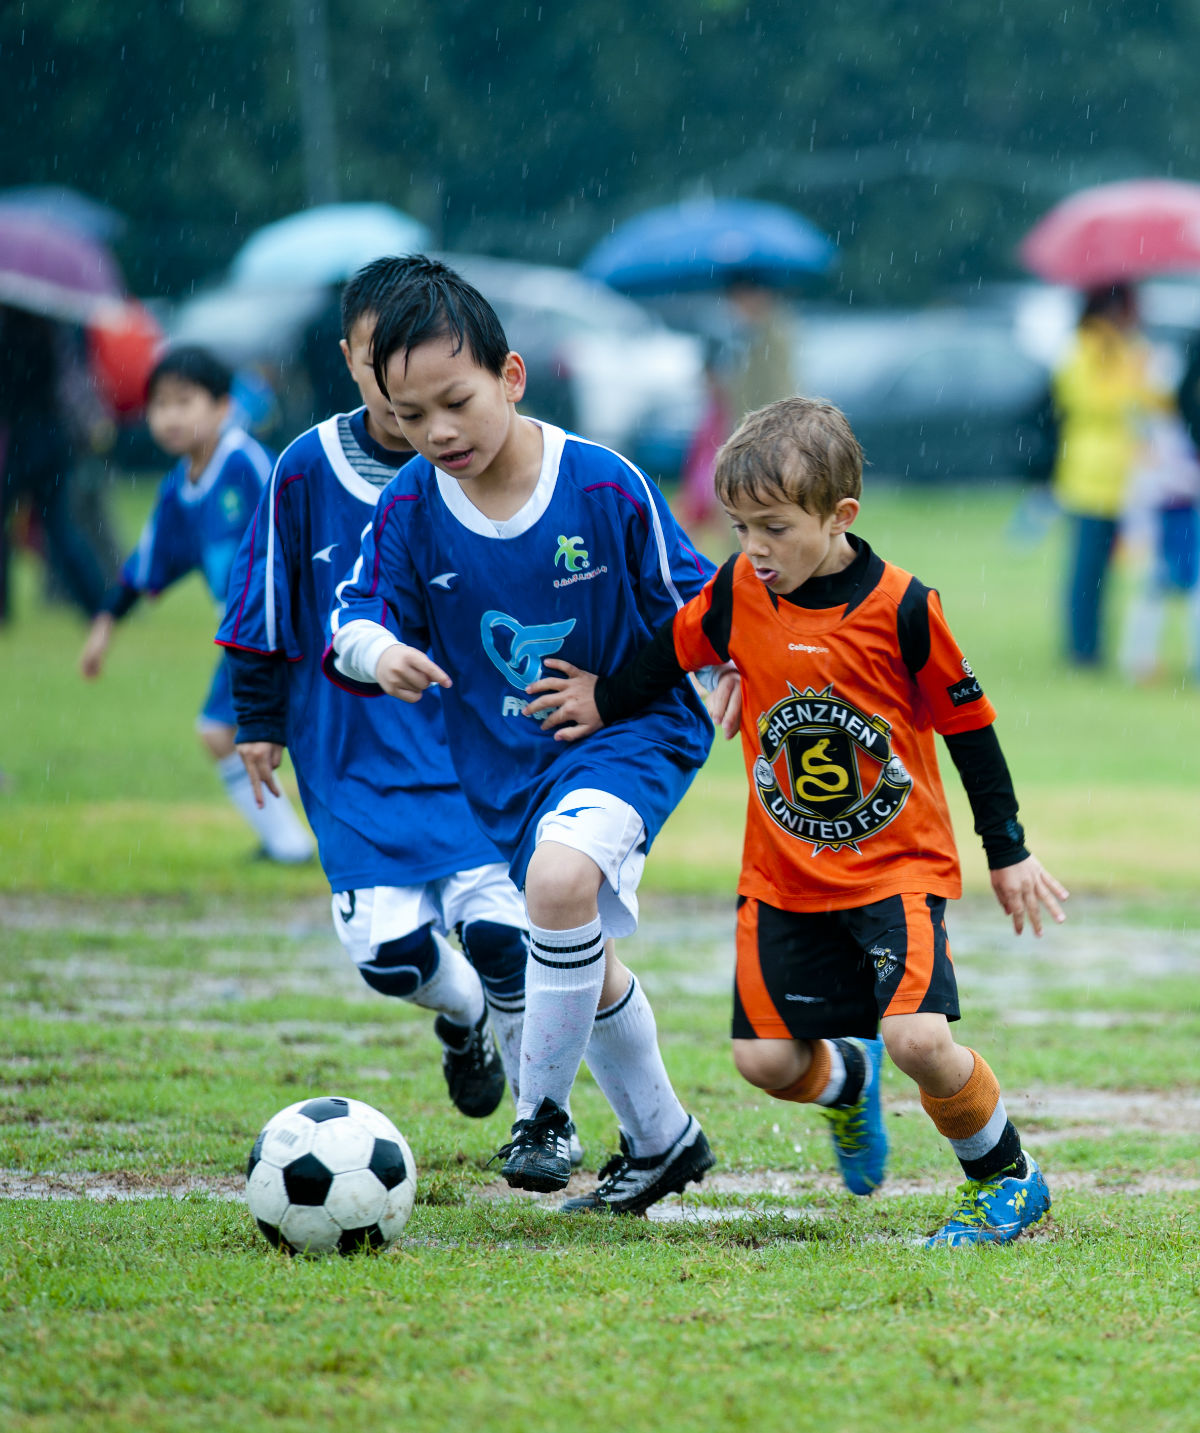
(39, 435)
(751, 369)
(1163, 514)
(1103, 391)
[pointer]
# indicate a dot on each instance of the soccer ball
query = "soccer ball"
(330, 1174)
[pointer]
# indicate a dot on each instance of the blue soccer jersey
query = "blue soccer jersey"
(586, 571)
(375, 777)
(198, 525)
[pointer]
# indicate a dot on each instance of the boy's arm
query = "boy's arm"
(1021, 883)
(260, 700)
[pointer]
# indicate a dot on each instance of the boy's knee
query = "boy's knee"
(498, 953)
(767, 1064)
(917, 1043)
(561, 886)
(400, 967)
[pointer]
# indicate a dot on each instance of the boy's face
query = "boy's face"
(381, 421)
(788, 545)
(184, 418)
(453, 412)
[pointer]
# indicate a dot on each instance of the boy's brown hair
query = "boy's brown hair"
(800, 450)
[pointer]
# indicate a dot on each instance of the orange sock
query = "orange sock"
(964, 1114)
(810, 1084)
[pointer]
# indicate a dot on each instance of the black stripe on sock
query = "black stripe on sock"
(620, 1005)
(1002, 1155)
(567, 964)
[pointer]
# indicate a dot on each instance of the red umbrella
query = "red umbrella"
(52, 270)
(1119, 231)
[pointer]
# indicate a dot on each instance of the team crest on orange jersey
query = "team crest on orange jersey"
(826, 773)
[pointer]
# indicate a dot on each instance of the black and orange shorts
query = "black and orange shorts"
(812, 975)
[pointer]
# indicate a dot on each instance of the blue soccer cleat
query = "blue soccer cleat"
(995, 1211)
(859, 1138)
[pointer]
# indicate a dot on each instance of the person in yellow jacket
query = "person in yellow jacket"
(1102, 391)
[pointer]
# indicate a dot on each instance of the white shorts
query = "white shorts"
(368, 918)
(612, 833)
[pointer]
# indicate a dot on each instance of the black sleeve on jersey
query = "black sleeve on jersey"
(119, 600)
(259, 683)
(717, 622)
(648, 675)
(986, 780)
(912, 627)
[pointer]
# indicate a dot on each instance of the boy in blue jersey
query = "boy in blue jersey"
(505, 542)
(405, 860)
(203, 507)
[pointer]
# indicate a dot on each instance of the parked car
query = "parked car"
(598, 363)
(931, 394)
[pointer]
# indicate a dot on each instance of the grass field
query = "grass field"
(163, 995)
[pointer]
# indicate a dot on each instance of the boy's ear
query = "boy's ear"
(345, 347)
(844, 515)
(513, 377)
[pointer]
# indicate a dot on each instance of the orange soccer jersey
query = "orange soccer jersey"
(839, 710)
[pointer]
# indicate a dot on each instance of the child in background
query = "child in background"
(848, 668)
(405, 861)
(203, 507)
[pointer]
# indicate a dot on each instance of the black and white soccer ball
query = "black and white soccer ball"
(329, 1175)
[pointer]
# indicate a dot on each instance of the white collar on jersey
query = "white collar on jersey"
(331, 440)
(230, 439)
(538, 501)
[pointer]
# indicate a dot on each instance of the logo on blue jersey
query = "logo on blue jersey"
(571, 553)
(443, 580)
(526, 646)
(323, 555)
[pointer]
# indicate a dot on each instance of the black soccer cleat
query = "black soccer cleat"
(630, 1184)
(539, 1154)
(471, 1065)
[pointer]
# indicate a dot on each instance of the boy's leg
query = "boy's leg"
(778, 1044)
(581, 885)
(389, 934)
(1005, 1192)
(284, 836)
(662, 1147)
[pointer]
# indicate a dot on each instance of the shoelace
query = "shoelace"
(538, 1130)
(970, 1209)
(849, 1126)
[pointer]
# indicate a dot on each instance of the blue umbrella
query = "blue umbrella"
(325, 245)
(708, 244)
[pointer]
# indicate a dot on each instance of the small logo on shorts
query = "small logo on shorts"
(348, 915)
(885, 962)
(806, 999)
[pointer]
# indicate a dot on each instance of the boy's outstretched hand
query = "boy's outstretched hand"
(568, 701)
(406, 672)
(1024, 888)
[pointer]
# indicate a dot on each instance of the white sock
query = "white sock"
(626, 1063)
(454, 989)
(836, 1082)
(507, 1016)
(277, 826)
(563, 980)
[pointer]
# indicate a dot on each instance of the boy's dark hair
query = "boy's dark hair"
(1113, 301)
(435, 302)
(195, 365)
(800, 450)
(373, 286)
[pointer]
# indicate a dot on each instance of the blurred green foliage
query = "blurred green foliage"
(927, 139)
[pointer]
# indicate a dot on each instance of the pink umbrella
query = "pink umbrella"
(1119, 231)
(54, 271)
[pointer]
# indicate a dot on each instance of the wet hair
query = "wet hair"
(1108, 301)
(799, 450)
(192, 364)
(435, 302)
(371, 288)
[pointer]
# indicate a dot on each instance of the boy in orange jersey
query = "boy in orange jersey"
(848, 669)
